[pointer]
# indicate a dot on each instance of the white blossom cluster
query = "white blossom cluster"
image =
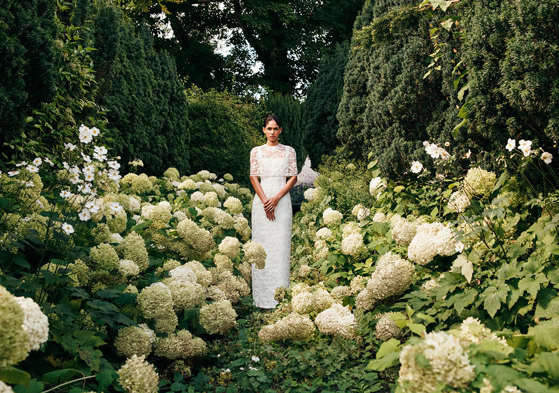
(292, 327)
(336, 320)
(403, 231)
(449, 364)
(230, 246)
(436, 151)
(392, 276)
(431, 239)
(458, 201)
(360, 211)
(138, 376)
(309, 194)
(479, 182)
(35, 323)
(386, 328)
(324, 233)
(332, 217)
(376, 186)
(352, 244)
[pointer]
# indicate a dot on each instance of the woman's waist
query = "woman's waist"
(272, 180)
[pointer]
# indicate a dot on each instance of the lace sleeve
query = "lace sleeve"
(254, 163)
(292, 163)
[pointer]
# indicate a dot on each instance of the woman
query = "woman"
(271, 211)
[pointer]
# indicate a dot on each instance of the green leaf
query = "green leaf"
(447, 24)
(532, 284)
(58, 376)
(417, 328)
(545, 336)
(434, 212)
(385, 362)
(464, 299)
(399, 188)
(550, 363)
(88, 338)
(33, 386)
(531, 385)
(14, 376)
(387, 347)
(422, 361)
(493, 298)
(462, 91)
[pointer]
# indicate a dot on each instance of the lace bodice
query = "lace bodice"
(279, 160)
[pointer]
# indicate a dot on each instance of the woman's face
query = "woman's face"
(272, 131)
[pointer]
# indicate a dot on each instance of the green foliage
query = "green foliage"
(290, 111)
(321, 105)
(472, 74)
(139, 86)
(224, 129)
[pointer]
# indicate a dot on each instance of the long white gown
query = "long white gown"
(272, 164)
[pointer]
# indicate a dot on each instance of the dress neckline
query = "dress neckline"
(278, 145)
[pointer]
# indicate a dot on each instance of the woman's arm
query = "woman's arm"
(260, 192)
(271, 203)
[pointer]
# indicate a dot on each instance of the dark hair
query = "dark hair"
(274, 118)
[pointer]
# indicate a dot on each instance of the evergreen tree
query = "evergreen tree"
(139, 86)
(28, 62)
(321, 105)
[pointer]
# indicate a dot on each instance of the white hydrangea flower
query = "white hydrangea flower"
(184, 273)
(309, 194)
(403, 231)
(379, 217)
(431, 239)
(336, 320)
(128, 268)
(449, 364)
(35, 323)
(230, 246)
(458, 201)
(352, 244)
(324, 233)
(332, 217)
(197, 196)
(392, 276)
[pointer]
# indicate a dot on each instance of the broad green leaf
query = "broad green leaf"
(383, 363)
(462, 300)
(545, 335)
(548, 303)
(447, 24)
(429, 319)
(387, 347)
(493, 297)
(417, 328)
(462, 91)
(88, 338)
(58, 376)
(531, 385)
(33, 386)
(466, 267)
(399, 188)
(532, 284)
(14, 376)
(434, 212)
(550, 363)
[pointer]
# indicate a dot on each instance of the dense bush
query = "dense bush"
(500, 56)
(321, 105)
(223, 130)
(139, 86)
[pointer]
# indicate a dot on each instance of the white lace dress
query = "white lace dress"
(272, 164)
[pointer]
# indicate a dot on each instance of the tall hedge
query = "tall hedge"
(321, 105)
(508, 51)
(140, 88)
(290, 111)
(28, 62)
(223, 130)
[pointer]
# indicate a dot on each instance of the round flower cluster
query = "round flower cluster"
(386, 328)
(5, 388)
(479, 182)
(242, 227)
(458, 201)
(230, 246)
(219, 217)
(357, 284)
(218, 317)
(255, 254)
(127, 268)
(360, 211)
(349, 228)
(203, 275)
(431, 239)
(105, 256)
(198, 238)
(211, 199)
(197, 197)
(292, 327)
(223, 262)
(403, 231)
(309, 194)
(472, 331)
(324, 233)
(233, 205)
(183, 273)
(365, 300)
(35, 323)
(449, 364)
(185, 294)
(156, 302)
(133, 247)
(392, 276)
(172, 173)
(304, 301)
(233, 287)
(304, 271)
(340, 292)
(336, 320)
(134, 340)
(180, 345)
(138, 376)
(332, 217)
(352, 244)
